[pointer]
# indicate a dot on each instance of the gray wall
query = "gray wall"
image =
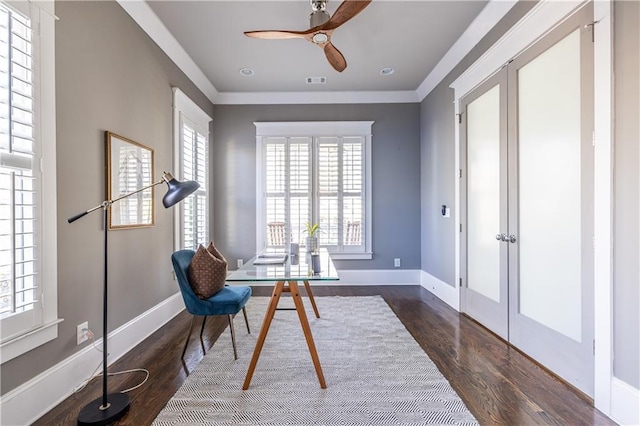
(109, 76)
(395, 170)
(626, 289)
(437, 124)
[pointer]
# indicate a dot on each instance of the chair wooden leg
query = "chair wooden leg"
(184, 351)
(246, 320)
(233, 337)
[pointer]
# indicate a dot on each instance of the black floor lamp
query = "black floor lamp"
(110, 407)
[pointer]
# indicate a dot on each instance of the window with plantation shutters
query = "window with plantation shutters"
(316, 172)
(287, 166)
(192, 124)
(18, 260)
(28, 287)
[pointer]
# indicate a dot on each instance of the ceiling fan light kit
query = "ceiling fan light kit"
(322, 28)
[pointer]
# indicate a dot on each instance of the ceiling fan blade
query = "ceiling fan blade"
(347, 10)
(335, 58)
(276, 35)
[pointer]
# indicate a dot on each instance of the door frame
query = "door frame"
(543, 17)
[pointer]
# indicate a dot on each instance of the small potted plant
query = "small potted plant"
(312, 240)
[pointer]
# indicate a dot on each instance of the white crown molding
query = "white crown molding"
(288, 98)
(492, 13)
(142, 14)
(545, 16)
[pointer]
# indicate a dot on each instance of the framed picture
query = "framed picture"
(129, 169)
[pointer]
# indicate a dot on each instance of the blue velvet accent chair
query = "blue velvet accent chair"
(228, 301)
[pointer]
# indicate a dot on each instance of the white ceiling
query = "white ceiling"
(411, 36)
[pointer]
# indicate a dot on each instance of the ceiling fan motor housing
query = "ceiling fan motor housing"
(318, 17)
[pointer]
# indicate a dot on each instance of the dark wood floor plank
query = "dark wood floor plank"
(500, 385)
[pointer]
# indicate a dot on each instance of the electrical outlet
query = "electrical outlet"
(240, 263)
(396, 262)
(82, 332)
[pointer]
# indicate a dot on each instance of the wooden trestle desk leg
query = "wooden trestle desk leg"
(306, 329)
(302, 315)
(311, 299)
(271, 309)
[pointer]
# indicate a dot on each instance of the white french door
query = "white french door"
(484, 158)
(527, 202)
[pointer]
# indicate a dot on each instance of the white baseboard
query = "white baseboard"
(445, 292)
(33, 399)
(366, 277)
(625, 403)
(379, 277)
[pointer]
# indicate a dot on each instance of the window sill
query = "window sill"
(26, 342)
(351, 256)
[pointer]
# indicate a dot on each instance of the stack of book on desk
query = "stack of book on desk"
(270, 259)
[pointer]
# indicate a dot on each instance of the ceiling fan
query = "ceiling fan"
(322, 27)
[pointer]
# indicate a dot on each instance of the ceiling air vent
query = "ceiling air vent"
(316, 80)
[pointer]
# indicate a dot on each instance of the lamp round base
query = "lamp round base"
(93, 414)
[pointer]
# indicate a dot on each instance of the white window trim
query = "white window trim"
(182, 104)
(43, 18)
(317, 129)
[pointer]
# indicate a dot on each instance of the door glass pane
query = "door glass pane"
(549, 188)
(483, 194)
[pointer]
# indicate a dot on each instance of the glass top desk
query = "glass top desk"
(286, 277)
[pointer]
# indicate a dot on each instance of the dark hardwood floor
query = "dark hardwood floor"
(500, 385)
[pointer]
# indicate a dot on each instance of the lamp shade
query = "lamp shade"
(177, 191)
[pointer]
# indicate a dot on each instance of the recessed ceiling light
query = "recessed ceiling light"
(387, 71)
(246, 72)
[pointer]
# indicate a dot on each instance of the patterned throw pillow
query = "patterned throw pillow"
(207, 271)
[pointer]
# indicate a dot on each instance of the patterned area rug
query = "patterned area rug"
(376, 373)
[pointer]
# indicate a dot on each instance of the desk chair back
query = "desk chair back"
(228, 301)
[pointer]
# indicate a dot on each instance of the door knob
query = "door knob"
(511, 238)
(501, 237)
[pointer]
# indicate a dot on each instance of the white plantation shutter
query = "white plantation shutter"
(353, 184)
(287, 166)
(19, 182)
(194, 167)
(28, 238)
(319, 179)
(340, 192)
(299, 187)
(191, 133)
(328, 190)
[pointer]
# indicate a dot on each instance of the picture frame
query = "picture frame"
(130, 168)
